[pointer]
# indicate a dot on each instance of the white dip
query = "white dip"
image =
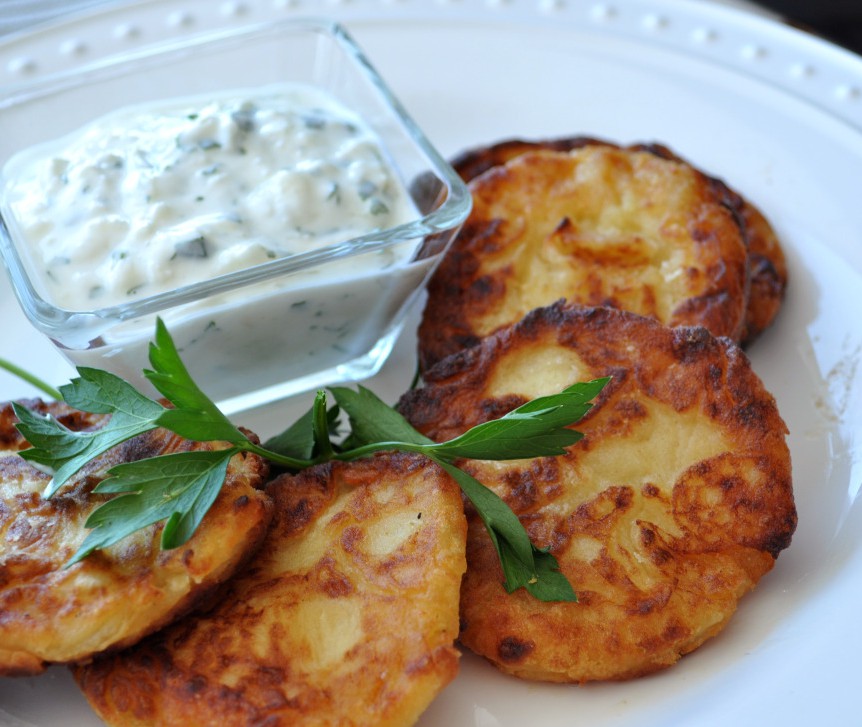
(147, 200)
(150, 199)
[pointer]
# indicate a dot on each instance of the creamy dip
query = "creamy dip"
(147, 200)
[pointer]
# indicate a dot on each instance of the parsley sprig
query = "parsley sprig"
(179, 488)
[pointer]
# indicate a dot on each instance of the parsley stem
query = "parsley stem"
(291, 463)
(30, 379)
(320, 427)
(367, 449)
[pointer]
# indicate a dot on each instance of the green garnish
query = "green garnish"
(29, 378)
(197, 247)
(180, 488)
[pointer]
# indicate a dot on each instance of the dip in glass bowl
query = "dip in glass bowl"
(261, 190)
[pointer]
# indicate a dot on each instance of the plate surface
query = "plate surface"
(776, 113)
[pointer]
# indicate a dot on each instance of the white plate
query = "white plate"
(775, 112)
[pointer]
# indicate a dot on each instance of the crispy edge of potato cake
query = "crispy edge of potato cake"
(53, 614)
(676, 502)
(598, 225)
(767, 263)
(347, 615)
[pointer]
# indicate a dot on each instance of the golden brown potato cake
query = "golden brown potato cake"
(766, 261)
(53, 614)
(598, 226)
(674, 504)
(346, 616)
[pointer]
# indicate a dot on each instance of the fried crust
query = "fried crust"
(597, 226)
(766, 261)
(767, 272)
(346, 616)
(767, 266)
(53, 614)
(673, 506)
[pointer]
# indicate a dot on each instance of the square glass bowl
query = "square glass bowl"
(281, 327)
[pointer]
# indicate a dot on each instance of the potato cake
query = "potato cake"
(673, 506)
(766, 261)
(598, 226)
(53, 614)
(347, 615)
